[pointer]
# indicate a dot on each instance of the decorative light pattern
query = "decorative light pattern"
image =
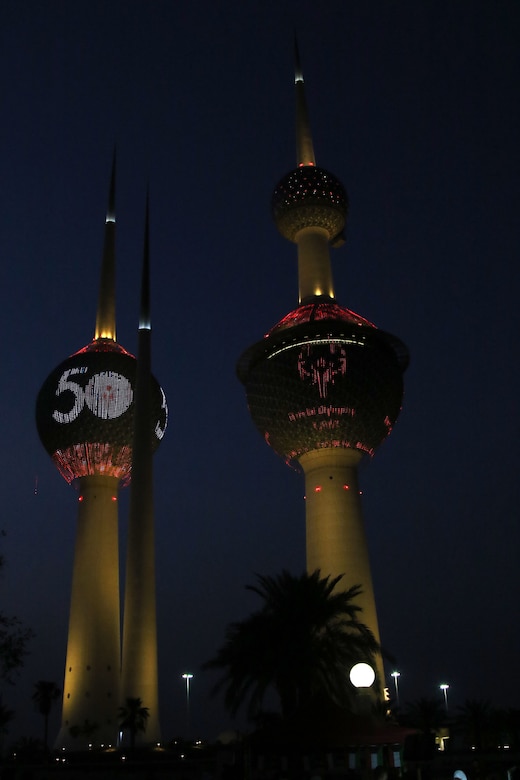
(322, 370)
(107, 394)
(322, 382)
(82, 460)
(309, 196)
(319, 310)
(85, 412)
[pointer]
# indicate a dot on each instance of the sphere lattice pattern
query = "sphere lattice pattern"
(309, 197)
(325, 383)
(85, 412)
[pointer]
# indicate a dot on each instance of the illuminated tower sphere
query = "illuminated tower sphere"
(85, 419)
(324, 386)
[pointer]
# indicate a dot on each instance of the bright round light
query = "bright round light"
(362, 675)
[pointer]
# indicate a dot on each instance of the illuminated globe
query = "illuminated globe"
(324, 377)
(85, 412)
(309, 196)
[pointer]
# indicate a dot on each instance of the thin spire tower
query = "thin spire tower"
(139, 666)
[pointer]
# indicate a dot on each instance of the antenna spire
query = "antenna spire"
(106, 310)
(144, 316)
(304, 145)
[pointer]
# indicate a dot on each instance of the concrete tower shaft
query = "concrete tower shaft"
(92, 668)
(335, 531)
(310, 208)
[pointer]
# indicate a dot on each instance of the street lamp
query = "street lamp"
(362, 677)
(396, 676)
(188, 677)
(444, 688)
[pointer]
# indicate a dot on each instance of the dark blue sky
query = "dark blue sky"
(414, 106)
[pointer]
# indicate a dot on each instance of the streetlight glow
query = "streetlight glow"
(362, 675)
(444, 688)
(396, 676)
(188, 677)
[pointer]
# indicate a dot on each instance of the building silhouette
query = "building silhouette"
(93, 424)
(324, 386)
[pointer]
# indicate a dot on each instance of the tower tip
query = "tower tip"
(304, 144)
(144, 315)
(106, 310)
(298, 74)
(111, 208)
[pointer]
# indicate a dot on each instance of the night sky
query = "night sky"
(414, 107)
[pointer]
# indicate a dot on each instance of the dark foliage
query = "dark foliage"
(302, 643)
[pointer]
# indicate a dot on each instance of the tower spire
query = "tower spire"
(144, 314)
(304, 145)
(106, 310)
(139, 672)
(310, 207)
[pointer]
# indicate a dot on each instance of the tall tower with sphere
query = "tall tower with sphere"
(324, 386)
(85, 415)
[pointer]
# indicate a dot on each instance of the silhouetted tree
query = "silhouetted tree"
(302, 642)
(45, 694)
(474, 722)
(6, 716)
(426, 715)
(133, 718)
(27, 749)
(14, 638)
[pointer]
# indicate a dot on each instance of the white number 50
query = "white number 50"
(107, 395)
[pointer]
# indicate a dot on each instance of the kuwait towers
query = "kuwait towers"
(94, 423)
(324, 386)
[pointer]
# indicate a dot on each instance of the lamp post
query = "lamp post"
(362, 677)
(396, 676)
(444, 688)
(188, 677)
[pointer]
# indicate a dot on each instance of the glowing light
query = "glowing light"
(362, 675)
(317, 489)
(80, 498)
(346, 487)
(114, 498)
(321, 342)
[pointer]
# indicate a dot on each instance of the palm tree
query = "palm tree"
(6, 716)
(133, 718)
(426, 715)
(474, 719)
(45, 694)
(302, 642)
